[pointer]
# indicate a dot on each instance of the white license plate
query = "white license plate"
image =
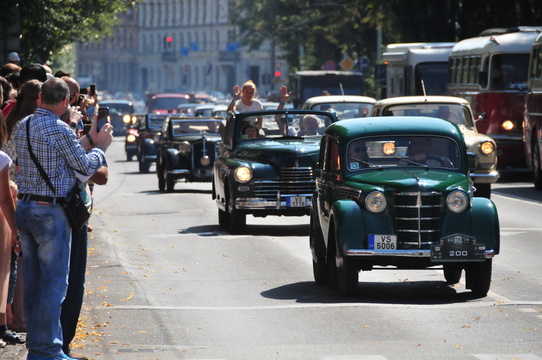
(296, 201)
(383, 242)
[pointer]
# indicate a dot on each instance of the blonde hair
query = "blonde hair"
(249, 84)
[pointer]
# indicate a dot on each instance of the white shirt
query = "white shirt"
(241, 107)
(4, 160)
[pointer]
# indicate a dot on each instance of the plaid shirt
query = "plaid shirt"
(57, 149)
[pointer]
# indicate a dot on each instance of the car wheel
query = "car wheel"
(161, 177)
(483, 190)
(144, 165)
(237, 221)
(452, 273)
(479, 277)
(347, 276)
(170, 182)
(316, 242)
(537, 168)
(223, 219)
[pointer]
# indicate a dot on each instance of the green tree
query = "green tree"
(46, 26)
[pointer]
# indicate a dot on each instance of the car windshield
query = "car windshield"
(455, 113)
(169, 102)
(194, 126)
(118, 109)
(156, 121)
(402, 151)
(285, 125)
(346, 110)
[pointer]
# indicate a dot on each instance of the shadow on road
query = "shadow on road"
(408, 293)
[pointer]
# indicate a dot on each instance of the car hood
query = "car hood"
(285, 153)
(410, 180)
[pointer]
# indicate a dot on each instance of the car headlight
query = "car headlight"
(457, 201)
(487, 148)
(130, 138)
(205, 160)
(243, 174)
(126, 119)
(376, 202)
(508, 125)
(185, 147)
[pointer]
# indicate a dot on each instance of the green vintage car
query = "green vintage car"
(266, 164)
(398, 193)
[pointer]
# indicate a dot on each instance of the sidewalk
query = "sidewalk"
(13, 352)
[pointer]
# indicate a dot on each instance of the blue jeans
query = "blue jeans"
(71, 307)
(46, 238)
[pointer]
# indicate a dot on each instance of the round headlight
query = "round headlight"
(126, 119)
(508, 125)
(205, 160)
(130, 138)
(457, 201)
(243, 174)
(185, 147)
(376, 202)
(487, 147)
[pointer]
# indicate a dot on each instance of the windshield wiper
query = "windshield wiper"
(425, 166)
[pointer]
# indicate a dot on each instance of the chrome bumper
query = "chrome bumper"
(401, 253)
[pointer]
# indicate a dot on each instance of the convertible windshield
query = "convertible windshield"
(285, 125)
(402, 151)
(455, 113)
(156, 121)
(191, 126)
(346, 110)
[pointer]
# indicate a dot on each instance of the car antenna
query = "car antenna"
(342, 89)
(423, 88)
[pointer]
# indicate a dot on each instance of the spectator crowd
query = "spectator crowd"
(50, 147)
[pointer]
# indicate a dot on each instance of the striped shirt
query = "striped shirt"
(58, 151)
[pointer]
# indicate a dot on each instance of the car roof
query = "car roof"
(374, 126)
(431, 99)
(339, 98)
(127, 102)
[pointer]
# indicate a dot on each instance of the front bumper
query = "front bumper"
(485, 178)
(420, 253)
(279, 203)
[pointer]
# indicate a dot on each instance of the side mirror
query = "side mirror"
(481, 117)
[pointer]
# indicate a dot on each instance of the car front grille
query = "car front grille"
(292, 181)
(417, 219)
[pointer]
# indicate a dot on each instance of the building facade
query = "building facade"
(176, 45)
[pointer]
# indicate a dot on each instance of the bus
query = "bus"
(532, 122)
(490, 71)
(310, 83)
(416, 68)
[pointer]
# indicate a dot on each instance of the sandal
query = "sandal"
(11, 337)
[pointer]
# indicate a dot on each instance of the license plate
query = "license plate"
(296, 201)
(458, 248)
(383, 242)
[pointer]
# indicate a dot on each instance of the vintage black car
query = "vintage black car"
(399, 193)
(120, 112)
(186, 150)
(268, 169)
(148, 129)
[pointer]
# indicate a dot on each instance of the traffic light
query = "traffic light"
(168, 42)
(277, 73)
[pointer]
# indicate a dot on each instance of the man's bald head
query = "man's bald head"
(74, 88)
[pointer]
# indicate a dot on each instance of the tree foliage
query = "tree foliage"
(327, 29)
(46, 26)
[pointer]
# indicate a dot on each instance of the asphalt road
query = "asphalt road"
(165, 282)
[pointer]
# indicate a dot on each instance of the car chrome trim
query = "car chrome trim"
(178, 172)
(261, 203)
(421, 253)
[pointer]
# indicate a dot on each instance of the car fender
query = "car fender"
(349, 226)
(148, 147)
(171, 158)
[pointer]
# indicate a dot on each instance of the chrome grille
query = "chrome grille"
(417, 219)
(292, 181)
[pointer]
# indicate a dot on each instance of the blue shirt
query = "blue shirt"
(57, 149)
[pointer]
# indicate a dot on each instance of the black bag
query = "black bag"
(74, 206)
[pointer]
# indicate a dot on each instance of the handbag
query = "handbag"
(75, 207)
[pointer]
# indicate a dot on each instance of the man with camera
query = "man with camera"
(41, 219)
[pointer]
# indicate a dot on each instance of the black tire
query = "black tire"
(347, 276)
(452, 273)
(144, 165)
(537, 167)
(223, 219)
(161, 178)
(483, 190)
(237, 221)
(320, 269)
(479, 277)
(170, 183)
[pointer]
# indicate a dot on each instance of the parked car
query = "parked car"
(120, 113)
(186, 150)
(269, 171)
(458, 111)
(149, 131)
(378, 202)
(345, 106)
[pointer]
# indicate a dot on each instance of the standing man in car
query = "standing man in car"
(44, 229)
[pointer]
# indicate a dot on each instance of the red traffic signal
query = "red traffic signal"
(277, 73)
(169, 39)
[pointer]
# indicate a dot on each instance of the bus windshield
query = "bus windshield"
(509, 71)
(433, 75)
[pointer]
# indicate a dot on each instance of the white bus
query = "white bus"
(490, 71)
(408, 65)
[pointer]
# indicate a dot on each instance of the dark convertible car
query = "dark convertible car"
(267, 169)
(186, 150)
